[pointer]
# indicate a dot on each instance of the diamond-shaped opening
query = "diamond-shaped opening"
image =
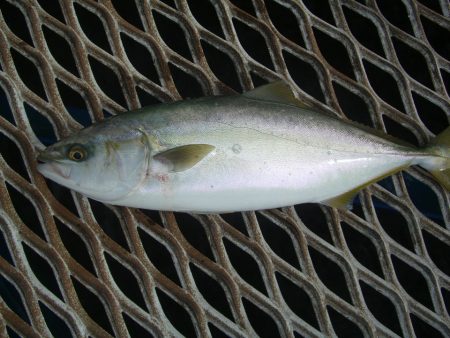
(321, 8)
(419, 288)
(263, 323)
(172, 34)
(357, 207)
(236, 220)
(342, 325)
(394, 223)
(362, 248)
(195, 233)
(74, 103)
(187, 85)
(14, 157)
(432, 4)
(369, 37)
(61, 50)
(63, 195)
(222, 65)
(126, 281)
(253, 42)
(396, 13)
(280, 241)
(26, 210)
(12, 333)
(154, 215)
(446, 78)
(446, 296)
(285, 22)
(6, 107)
(298, 299)
(381, 307)
(42, 270)
(437, 36)
(15, 20)
(134, 328)
(57, 326)
(216, 332)
(212, 291)
(424, 330)
(384, 84)
(304, 75)
(438, 251)
(128, 11)
(205, 13)
(330, 274)
(396, 129)
(109, 222)
(432, 115)
(245, 5)
(4, 249)
(76, 246)
(140, 57)
(313, 217)
(107, 80)
(145, 98)
(388, 184)
(298, 335)
(93, 306)
(53, 8)
(353, 106)
(28, 73)
(259, 79)
(92, 26)
(334, 52)
(13, 298)
(413, 62)
(159, 255)
(170, 3)
(424, 198)
(177, 314)
(41, 126)
(245, 265)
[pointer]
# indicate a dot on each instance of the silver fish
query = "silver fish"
(262, 149)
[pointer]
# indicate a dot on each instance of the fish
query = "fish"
(258, 150)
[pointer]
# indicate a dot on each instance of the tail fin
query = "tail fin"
(439, 166)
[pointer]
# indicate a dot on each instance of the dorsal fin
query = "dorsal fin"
(277, 92)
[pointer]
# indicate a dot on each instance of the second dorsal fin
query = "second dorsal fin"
(277, 92)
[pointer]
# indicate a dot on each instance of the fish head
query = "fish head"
(104, 162)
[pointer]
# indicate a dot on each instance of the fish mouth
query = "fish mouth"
(51, 164)
(48, 156)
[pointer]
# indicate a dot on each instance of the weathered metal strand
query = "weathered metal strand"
(140, 241)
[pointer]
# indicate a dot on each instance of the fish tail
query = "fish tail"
(439, 165)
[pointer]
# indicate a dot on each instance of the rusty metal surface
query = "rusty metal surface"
(72, 266)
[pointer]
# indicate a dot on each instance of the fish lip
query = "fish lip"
(48, 169)
(47, 156)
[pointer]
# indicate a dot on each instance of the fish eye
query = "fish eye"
(77, 153)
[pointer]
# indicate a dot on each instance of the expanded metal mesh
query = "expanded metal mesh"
(73, 266)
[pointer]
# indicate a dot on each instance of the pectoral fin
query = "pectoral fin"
(183, 157)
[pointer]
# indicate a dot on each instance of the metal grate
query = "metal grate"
(73, 266)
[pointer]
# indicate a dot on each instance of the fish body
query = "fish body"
(263, 149)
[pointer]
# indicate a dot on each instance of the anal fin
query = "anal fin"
(344, 201)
